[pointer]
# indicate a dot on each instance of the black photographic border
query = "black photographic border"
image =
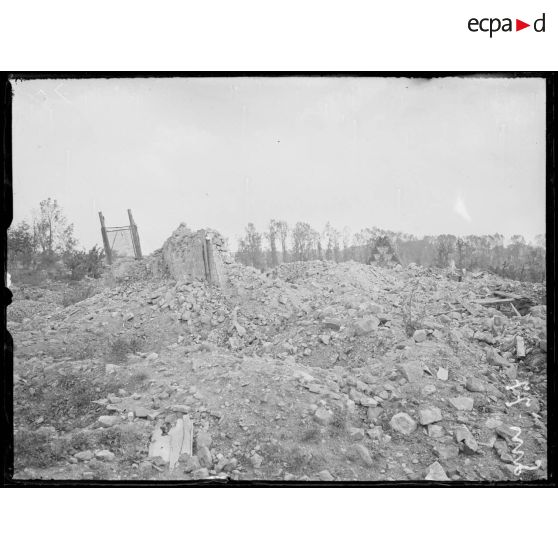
(6, 216)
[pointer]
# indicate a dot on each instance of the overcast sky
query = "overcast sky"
(453, 155)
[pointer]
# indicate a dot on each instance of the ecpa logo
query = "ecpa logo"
(492, 25)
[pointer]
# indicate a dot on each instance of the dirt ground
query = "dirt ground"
(315, 371)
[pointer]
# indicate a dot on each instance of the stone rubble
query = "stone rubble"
(312, 370)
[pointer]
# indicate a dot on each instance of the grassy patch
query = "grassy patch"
(64, 401)
(123, 345)
(298, 459)
(137, 380)
(339, 422)
(76, 294)
(37, 449)
(125, 441)
(312, 434)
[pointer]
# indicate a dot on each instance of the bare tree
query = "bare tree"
(305, 240)
(445, 249)
(250, 247)
(282, 229)
(271, 237)
(332, 238)
(347, 243)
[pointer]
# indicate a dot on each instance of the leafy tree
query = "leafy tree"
(21, 245)
(51, 230)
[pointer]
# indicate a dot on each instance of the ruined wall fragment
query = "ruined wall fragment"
(183, 255)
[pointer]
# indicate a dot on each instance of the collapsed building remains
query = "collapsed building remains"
(196, 255)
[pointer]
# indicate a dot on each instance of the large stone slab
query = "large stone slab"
(412, 370)
(160, 445)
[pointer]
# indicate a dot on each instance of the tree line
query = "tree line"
(280, 243)
(47, 246)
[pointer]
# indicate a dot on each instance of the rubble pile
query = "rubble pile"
(312, 371)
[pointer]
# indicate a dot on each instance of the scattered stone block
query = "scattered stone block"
(429, 415)
(356, 434)
(366, 325)
(436, 473)
(323, 416)
(105, 455)
(428, 389)
(469, 444)
(403, 423)
(419, 336)
(435, 430)
(108, 420)
(141, 412)
(462, 403)
(202, 473)
(203, 439)
(325, 476)
(374, 413)
(475, 385)
(333, 323)
(363, 453)
(412, 370)
(446, 452)
(84, 455)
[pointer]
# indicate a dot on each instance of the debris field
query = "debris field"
(313, 371)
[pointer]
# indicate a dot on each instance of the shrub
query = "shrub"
(81, 263)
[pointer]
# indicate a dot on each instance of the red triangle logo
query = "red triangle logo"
(519, 25)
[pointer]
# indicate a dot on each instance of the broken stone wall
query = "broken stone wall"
(183, 255)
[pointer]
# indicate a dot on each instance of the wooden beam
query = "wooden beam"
(106, 244)
(513, 296)
(488, 301)
(205, 260)
(135, 236)
(515, 310)
(210, 264)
